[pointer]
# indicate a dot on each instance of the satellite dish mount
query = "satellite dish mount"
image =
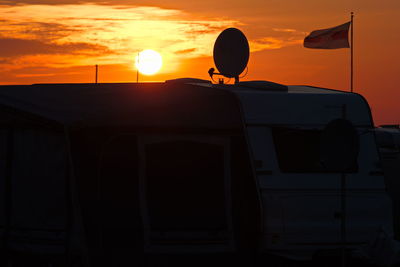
(212, 72)
(231, 54)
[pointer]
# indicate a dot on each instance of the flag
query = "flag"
(332, 38)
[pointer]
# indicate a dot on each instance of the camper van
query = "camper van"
(185, 171)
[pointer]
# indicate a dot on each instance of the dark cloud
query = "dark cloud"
(41, 2)
(186, 51)
(10, 47)
(40, 74)
(205, 31)
(253, 10)
(55, 29)
(233, 8)
(44, 30)
(5, 61)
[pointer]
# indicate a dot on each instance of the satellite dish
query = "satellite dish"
(231, 53)
(339, 146)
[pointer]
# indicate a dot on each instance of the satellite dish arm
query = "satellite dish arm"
(212, 72)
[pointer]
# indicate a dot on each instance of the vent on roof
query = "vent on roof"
(264, 85)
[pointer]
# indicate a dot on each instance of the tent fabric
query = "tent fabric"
(120, 105)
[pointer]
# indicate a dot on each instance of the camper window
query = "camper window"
(385, 139)
(298, 150)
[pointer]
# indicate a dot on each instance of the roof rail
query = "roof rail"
(187, 80)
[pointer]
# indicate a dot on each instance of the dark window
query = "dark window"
(298, 150)
(386, 140)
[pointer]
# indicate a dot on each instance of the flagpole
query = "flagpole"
(351, 53)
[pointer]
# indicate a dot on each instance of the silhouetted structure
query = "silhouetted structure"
(182, 172)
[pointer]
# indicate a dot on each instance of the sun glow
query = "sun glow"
(148, 62)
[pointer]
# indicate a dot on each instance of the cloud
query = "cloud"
(11, 47)
(267, 43)
(49, 2)
(284, 30)
(28, 29)
(278, 38)
(186, 51)
(5, 61)
(87, 34)
(105, 34)
(30, 75)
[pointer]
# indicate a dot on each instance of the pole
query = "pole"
(97, 69)
(137, 68)
(351, 52)
(343, 217)
(343, 205)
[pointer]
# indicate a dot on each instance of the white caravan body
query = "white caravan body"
(302, 208)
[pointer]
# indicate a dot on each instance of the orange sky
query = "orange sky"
(42, 42)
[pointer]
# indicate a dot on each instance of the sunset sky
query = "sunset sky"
(45, 41)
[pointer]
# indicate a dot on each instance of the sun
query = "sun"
(148, 62)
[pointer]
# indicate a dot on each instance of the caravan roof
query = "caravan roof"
(266, 103)
(130, 104)
(182, 104)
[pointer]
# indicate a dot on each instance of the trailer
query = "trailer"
(156, 174)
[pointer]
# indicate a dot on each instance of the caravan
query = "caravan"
(123, 174)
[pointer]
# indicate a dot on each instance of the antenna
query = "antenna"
(231, 54)
(137, 68)
(96, 73)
